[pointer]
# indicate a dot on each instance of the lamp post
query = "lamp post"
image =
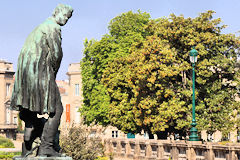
(193, 131)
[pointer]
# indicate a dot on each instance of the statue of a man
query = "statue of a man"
(35, 90)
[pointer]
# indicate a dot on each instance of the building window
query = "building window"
(8, 115)
(210, 138)
(226, 137)
(238, 136)
(146, 135)
(77, 115)
(114, 134)
(76, 89)
(92, 134)
(15, 120)
(130, 135)
(7, 89)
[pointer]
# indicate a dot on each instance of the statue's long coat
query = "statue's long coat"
(38, 63)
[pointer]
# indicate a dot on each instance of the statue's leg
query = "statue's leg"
(29, 118)
(49, 134)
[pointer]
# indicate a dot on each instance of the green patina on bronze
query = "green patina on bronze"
(38, 63)
(35, 90)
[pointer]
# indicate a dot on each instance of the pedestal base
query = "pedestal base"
(42, 158)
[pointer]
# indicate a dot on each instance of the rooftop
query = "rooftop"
(6, 66)
(5, 61)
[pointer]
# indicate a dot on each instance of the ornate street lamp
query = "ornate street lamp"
(193, 131)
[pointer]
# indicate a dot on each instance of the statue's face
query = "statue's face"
(62, 17)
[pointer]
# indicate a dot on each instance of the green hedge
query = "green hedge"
(8, 155)
(102, 158)
(6, 143)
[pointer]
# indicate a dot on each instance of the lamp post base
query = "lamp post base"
(193, 134)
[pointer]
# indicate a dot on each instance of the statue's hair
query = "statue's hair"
(61, 7)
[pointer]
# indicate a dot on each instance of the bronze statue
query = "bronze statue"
(35, 90)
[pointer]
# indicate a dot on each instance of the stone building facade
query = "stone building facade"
(72, 100)
(8, 118)
(71, 96)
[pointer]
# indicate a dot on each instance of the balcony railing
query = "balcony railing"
(138, 149)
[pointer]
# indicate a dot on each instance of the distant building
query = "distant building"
(71, 96)
(72, 100)
(8, 118)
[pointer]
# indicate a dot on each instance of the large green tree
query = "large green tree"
(125, 30)
(162, 101)
(143, 80)
(143, 89)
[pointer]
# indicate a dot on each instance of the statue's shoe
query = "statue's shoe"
(48, 152)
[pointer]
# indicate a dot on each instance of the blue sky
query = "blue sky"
(90, 20)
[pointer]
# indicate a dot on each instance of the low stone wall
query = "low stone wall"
(135, 149)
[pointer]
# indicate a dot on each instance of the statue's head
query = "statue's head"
(62, 13)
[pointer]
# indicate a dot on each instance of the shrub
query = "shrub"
(102, 158)
(8, 155)
(6, 143)
(224, 142)
(79, 145)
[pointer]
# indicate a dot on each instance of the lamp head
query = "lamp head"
(193, 55)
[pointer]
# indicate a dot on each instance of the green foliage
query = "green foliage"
(125, 30)
(6, 143)
(216, 73)
(129, 24)
(147, 83)
(224, 143)
(102, 158)
(143, 87)
(78, 144)
(19, 126)
(8, 155)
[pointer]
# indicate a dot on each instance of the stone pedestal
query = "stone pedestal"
(42, 158)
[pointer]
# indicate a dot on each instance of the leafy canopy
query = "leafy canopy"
(125, 30)
(139, 76)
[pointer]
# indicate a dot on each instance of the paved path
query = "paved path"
(10, 150)
(17, 144)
